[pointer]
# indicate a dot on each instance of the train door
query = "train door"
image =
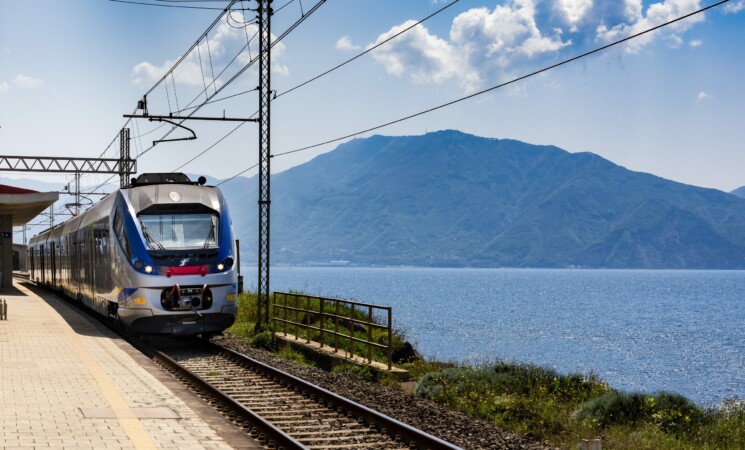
(74, 249)
(54, 264)
(31, 251)
(92, 262)
(42, 268)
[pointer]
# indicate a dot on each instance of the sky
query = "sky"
(670, 103)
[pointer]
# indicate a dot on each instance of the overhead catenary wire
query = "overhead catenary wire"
(131, 2)
(237, 175)
(344, 63)
(507, 83)
(338, 66)
(164, 77)
(227, 83)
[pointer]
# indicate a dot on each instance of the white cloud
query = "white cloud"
(695, 43)
(421, 55)
(198, 67)
(574, 10)
(345, 43)
(484, 44)
(675, 41)
(656, 14)
(26, 82)
(4, 87)
(701, 96)
(633, 10)
(734, 7)
(507, 32)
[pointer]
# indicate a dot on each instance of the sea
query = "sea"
(639, 330)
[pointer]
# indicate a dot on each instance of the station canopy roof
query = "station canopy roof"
(24, 204)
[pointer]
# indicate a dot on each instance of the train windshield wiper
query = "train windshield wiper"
(210, 236)
(152, 241)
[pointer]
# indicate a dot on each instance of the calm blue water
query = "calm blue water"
(679, 331)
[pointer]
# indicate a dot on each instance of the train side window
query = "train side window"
(120, 233)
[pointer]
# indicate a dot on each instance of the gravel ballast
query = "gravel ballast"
(451, 426)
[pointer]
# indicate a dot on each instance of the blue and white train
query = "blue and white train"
(157, 256)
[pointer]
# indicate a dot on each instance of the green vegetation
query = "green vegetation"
(245, 323)
(296, 357)
(564, 409)
(530, 400)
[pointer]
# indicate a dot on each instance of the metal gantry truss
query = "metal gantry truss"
(66, 165)
(265, 90)
(124, 166)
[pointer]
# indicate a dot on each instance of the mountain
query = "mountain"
(453, 199)
(740, 192)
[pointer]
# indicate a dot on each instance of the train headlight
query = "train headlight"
(225, 265)
(149, 269)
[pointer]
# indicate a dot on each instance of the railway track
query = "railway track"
(282, 410)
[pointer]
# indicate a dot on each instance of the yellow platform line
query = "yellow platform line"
(130, 424)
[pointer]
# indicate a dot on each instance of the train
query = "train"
(157, 257)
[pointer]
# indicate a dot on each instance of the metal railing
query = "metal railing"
(306, 314)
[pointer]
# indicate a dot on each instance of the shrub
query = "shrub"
(671, 413)
(365, 373)
(265, 339)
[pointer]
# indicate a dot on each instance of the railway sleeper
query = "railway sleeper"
(273, 409)
(310, 434)
(272, 417)
(359, 445)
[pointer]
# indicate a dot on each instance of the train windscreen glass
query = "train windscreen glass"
(179, 231)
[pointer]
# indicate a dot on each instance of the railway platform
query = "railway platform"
(68, 382)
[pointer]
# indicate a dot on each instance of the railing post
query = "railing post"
(369, 334)
(323, 319)
(390, 338)
(336, 327)
(351, 330)
(307, 320)
(284, 328)
(272, 313)
(297, 307)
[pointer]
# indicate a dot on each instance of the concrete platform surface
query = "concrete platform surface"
(68, 382)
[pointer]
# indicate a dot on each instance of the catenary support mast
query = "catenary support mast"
(264, 18)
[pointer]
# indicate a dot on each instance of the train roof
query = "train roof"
(165, 178)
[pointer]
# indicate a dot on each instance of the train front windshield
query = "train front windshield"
(179, 231)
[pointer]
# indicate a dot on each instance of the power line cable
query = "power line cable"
(167, 6)
(320, 75)
(237, 175)
(211, 146)
(369, 49)
(233, 78)
(501, 85)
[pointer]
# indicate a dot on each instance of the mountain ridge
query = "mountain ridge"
(452, 199)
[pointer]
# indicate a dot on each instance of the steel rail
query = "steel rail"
(394, 427)
(273, 436)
